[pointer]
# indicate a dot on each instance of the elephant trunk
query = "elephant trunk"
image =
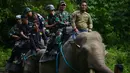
(96, 57)
(102, 68)
(98, 64)
(105, 69)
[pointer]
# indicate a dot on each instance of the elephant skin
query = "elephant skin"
(85, 53)
(31, 65)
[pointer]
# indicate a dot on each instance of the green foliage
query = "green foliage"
(4, 55)
(71, 7)
(117, 57)
(111, 19)
(5, 15)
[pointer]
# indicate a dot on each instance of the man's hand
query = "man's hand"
(37, 49)
(89, 30)
(67, 23)
(27, 37)
(24, 36)
(16, 37)
(76, 31)
(53, 24)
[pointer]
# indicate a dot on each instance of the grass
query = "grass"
(4, 55)
(118, 57)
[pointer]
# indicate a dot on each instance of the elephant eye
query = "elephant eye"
(85, 49)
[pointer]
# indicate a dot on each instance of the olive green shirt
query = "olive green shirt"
(81, 20)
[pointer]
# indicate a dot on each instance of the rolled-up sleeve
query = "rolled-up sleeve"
(90, 22)
(73, 20)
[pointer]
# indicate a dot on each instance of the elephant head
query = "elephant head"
(80, 55)
(85, 53)
(93, 48)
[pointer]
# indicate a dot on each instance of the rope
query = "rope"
(61, 50)
(73, 36)
(26, 57)
(57, 62)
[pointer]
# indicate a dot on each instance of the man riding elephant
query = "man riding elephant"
(51, 23)
(81, 19)
(36, 17)
(64, 19)
(55, 22)
(30, 31)
(14, 34)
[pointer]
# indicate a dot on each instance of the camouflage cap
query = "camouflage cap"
(62, 3)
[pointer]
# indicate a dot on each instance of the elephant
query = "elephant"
(80, 55)
(31, 64)
(29, 59)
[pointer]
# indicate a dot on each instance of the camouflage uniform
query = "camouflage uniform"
(51, 25)
(50, 20)
(40, 21)
(29, 29)
(63, 18)
(14, 31)
(82, 21)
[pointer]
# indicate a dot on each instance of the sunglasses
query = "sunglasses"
(63, 5)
